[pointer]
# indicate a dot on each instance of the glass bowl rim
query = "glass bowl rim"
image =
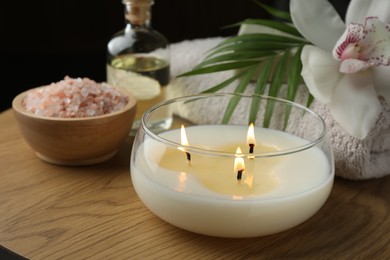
(210, 152)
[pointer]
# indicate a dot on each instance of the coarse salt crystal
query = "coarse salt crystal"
(74, 98)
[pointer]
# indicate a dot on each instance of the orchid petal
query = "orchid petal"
(376, 44)
(317, 21)
(355, 105)
(353, 66)
(381, 81)
(320, 72)
(358, 10)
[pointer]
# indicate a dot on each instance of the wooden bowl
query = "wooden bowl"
(74, 141)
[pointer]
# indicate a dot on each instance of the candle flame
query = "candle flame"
(239, 165)
(184, 140)
(250, 139)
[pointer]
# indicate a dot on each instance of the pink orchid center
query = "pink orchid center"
(352, 51)
(350, 47)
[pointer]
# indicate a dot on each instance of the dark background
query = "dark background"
(44, 40)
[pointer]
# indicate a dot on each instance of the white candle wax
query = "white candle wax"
(274, 194)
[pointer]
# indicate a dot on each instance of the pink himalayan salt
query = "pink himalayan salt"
(74, 98)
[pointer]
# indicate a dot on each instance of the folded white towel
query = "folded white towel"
(359, 159)
(355, 159)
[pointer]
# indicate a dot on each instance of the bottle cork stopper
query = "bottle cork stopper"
(139, 11)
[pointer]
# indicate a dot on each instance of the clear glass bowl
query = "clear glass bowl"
(205, 185)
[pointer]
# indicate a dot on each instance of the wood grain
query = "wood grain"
(52, 212)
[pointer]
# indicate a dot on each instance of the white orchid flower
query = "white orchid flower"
(348, 66)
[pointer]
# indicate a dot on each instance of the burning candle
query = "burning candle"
(205, 197)
(281, 181)
(251, 138)
(239, 165)
(184, 141)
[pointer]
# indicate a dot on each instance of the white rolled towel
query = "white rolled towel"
(359, 159)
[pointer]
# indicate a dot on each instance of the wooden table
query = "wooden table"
(52, 212)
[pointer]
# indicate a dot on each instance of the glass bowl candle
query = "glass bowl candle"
(222, 170)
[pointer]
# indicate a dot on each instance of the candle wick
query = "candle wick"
(239, 174)
(251, 147)
(188, 157)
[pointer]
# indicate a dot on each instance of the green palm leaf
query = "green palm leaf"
(248, 74)
(235, 56)
(220, 67)
(274, 12)
(259, 89)
(273, 58)
(294, 80)
(250, 46)
(224, 83)
(275, 86)
(280, 26)
(263, 38)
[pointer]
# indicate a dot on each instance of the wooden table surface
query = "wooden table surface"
(53, 212)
